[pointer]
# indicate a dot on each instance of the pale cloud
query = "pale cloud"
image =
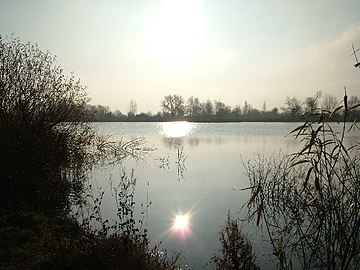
(326, 66)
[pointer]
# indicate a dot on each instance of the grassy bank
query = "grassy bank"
(34, 241)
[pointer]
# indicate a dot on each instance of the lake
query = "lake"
(195, 172)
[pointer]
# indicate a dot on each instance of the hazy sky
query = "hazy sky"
(225, 49)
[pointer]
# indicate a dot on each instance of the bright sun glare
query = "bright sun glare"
(175, 35)
(177, 129)
(181, 222)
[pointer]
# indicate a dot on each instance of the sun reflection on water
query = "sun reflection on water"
(176, 129)
(181, 225)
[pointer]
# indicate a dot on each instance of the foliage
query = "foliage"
(44, 130)
(31, 240)
(309, 202)
(124, 238)
(237, 250)
(47, 146)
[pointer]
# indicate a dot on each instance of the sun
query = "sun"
(175, 34)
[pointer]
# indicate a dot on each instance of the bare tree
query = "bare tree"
(329, 102)
(173, 105)
(221, 109)
(292, 107)
(247, 108)
(264, 107)
(236, 111)
(311, 103)
(354, 102)
(193, 106)
(119, 114)
(132, 109)
(207, 108)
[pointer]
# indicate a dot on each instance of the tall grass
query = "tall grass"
(309, 202)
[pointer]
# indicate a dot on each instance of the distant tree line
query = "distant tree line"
(176, 107)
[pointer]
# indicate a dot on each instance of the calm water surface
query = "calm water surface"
(196, 170)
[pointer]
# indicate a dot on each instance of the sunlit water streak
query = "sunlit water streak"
(177, 129)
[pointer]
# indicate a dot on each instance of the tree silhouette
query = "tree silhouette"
(292, 107)
(44, 130)
(132, 108)
(221, 109)
(173, 105)
(193, 106)
(329, 102)
(207, 108)
(311, 103)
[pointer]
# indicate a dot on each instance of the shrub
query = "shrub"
(237, 252)
(33, 241)
(44, 132)
(47, 145)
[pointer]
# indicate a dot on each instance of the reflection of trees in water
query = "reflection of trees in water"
(174, 142)
(192, 142)
(177, 154)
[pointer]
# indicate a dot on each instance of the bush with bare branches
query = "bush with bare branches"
(44, 129)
